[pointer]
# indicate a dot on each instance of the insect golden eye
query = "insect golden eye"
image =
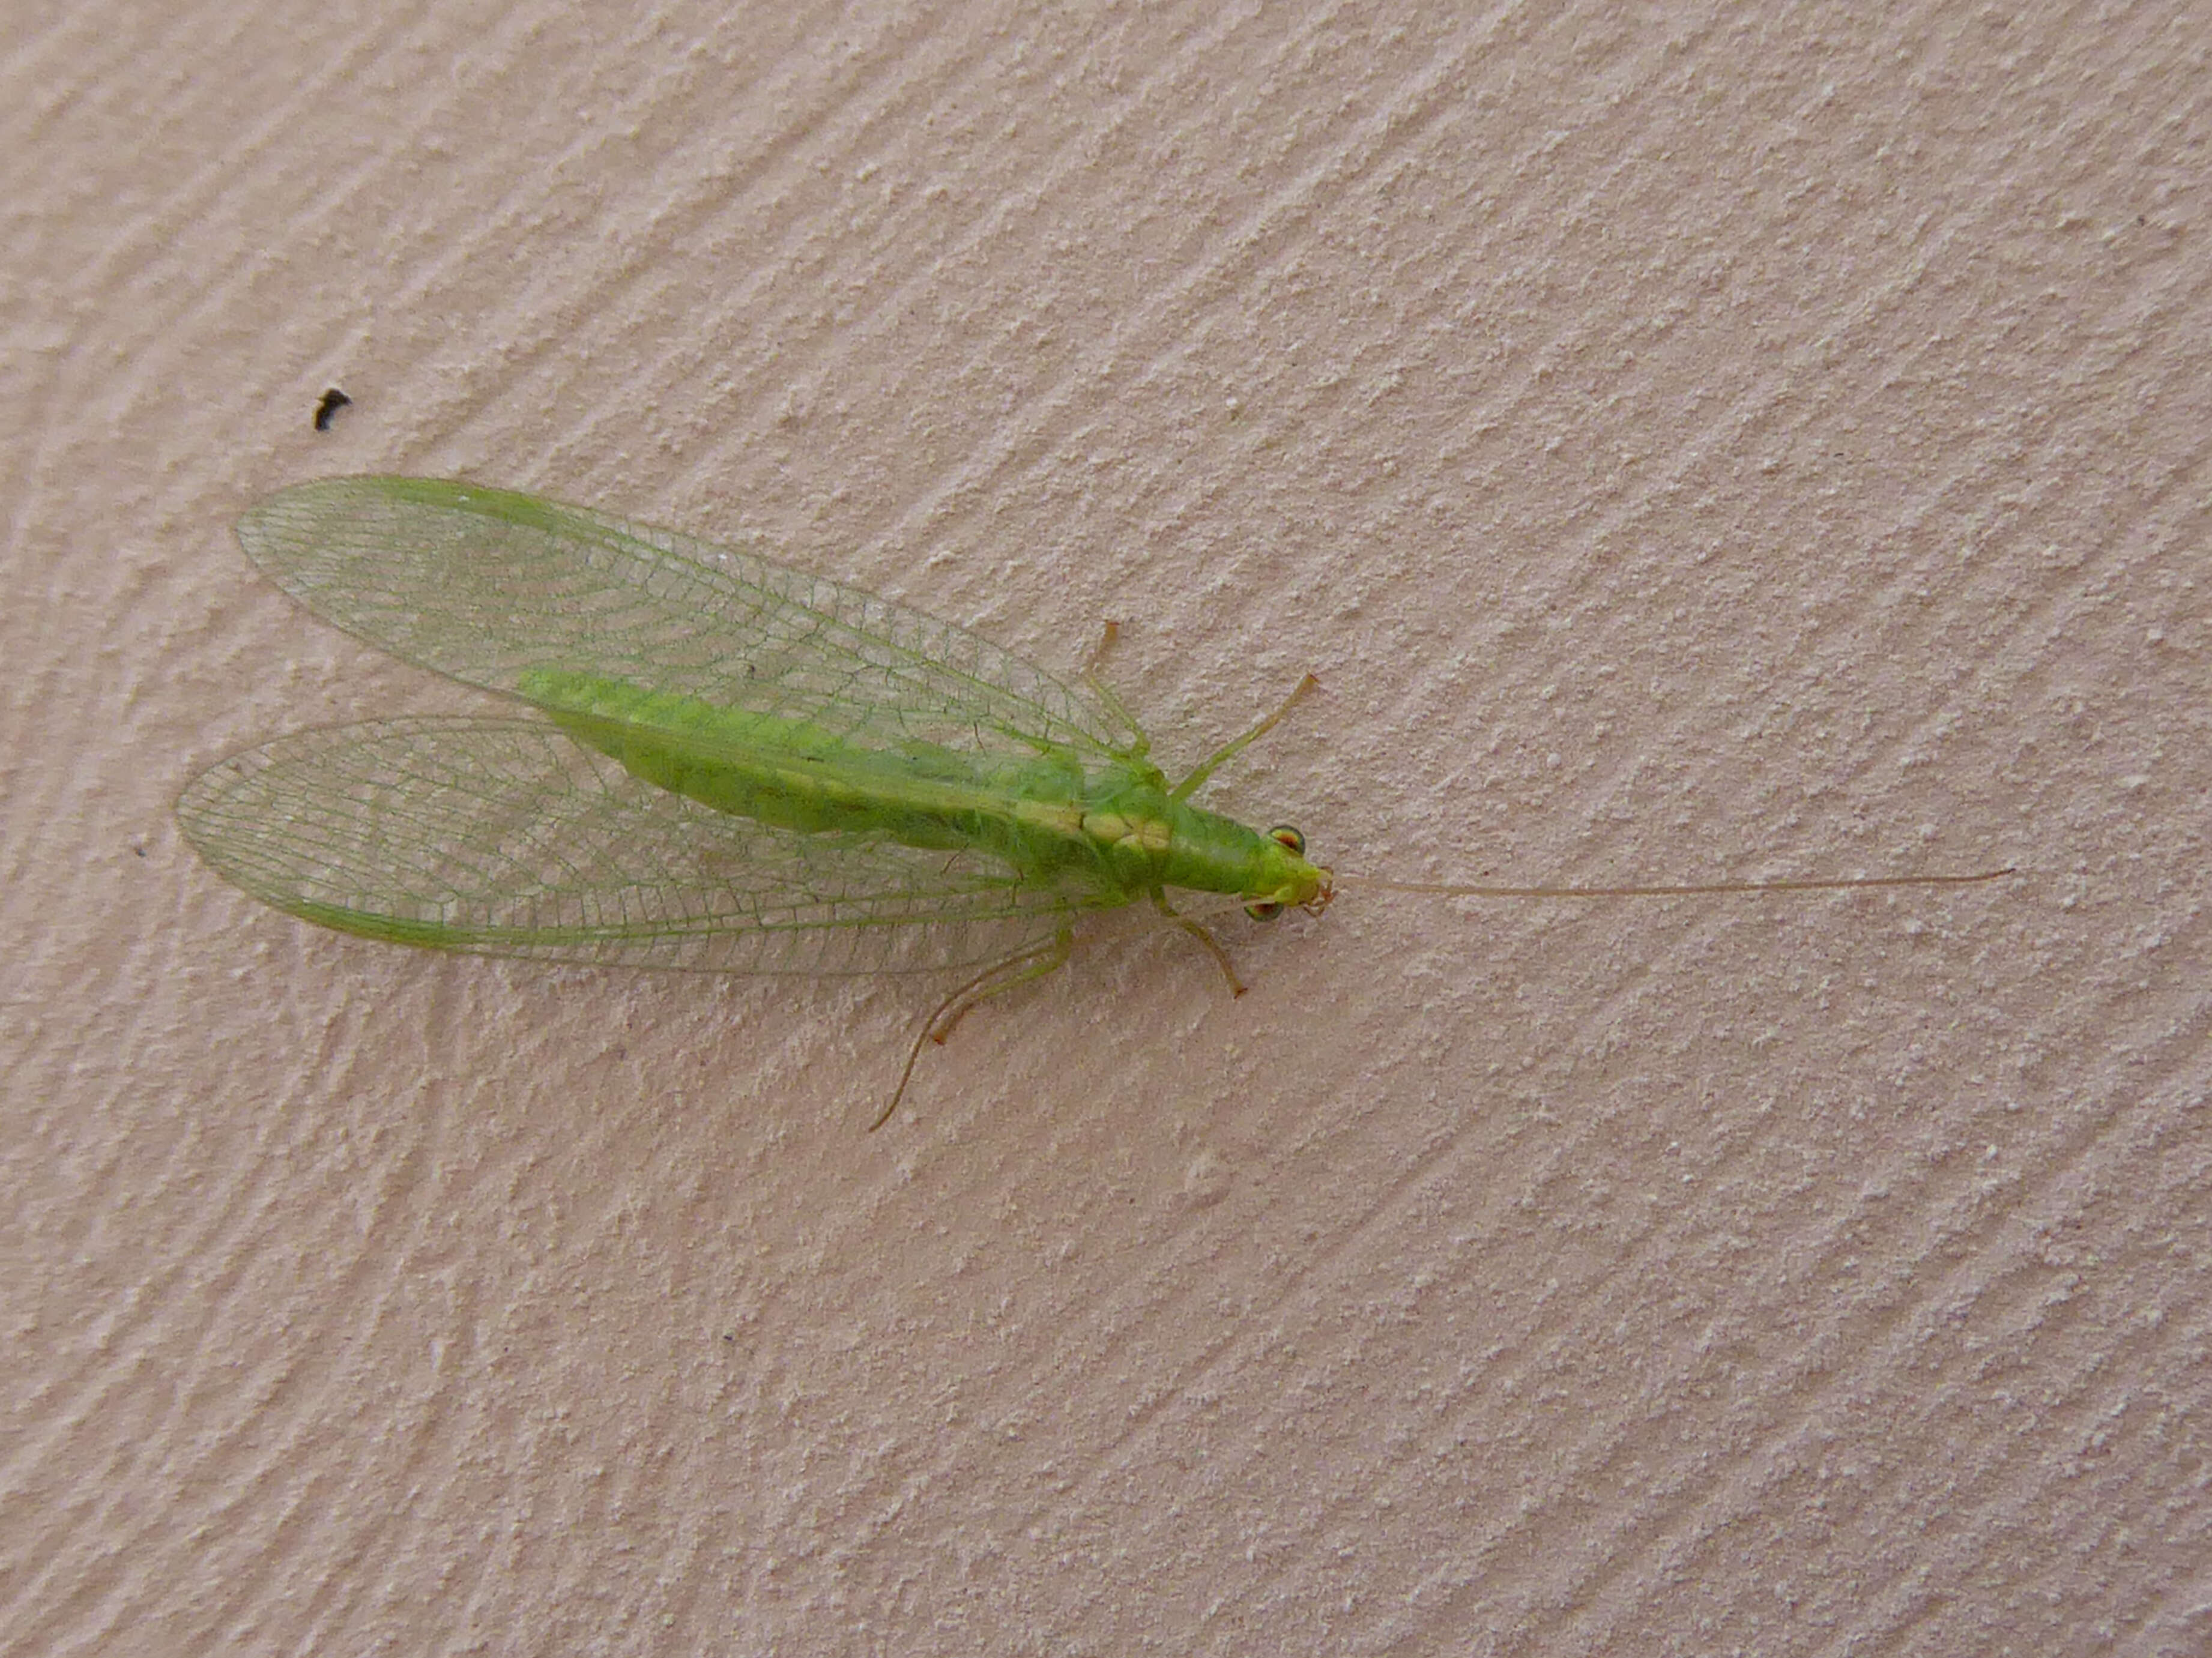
(1263, 912)
(1284, 835)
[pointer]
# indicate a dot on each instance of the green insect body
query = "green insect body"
(725, 765)
(1115, 830)
(739, 766)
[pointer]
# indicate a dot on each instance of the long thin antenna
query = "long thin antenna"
(1454, 891)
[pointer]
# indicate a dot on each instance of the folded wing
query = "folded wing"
(488, 585)
(502, 837)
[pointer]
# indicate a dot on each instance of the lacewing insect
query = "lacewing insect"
(720, 763)
(327, 409)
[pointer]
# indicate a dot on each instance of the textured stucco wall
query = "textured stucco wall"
(1688, 442)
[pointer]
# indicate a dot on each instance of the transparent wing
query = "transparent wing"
(502, 837)
(485, 585)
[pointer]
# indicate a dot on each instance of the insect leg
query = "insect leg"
(1002, 975)
(1018, 969)
(1212, 763)
(1108, 637)
(1212, 944)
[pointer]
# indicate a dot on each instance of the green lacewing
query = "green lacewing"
(717, 762)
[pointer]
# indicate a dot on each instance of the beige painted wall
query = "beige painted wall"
(1687, 441)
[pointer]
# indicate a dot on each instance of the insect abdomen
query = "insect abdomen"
(799, 776)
